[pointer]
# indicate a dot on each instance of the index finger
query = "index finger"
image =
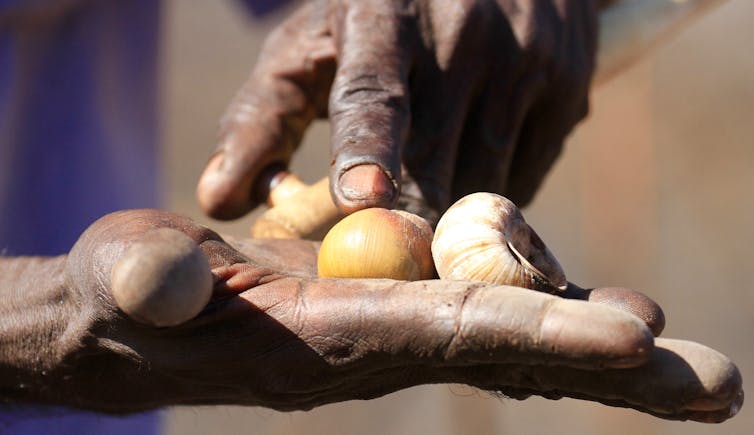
(369, 104)
(264, 124)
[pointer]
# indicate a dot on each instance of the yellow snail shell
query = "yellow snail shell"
(483, 237)
(377, 243)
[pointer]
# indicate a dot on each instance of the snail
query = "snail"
(378, 243)
(483, 237)
(163, 279)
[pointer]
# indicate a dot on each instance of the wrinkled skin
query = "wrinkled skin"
(432, 99)
(428, 100)
(276, 336)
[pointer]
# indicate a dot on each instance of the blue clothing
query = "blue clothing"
(78, 139)
(63, 421)
(78, 129)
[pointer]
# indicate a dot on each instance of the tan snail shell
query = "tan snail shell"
(483, 237)
(377, 243)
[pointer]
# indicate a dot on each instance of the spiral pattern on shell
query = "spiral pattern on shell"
(484, 237)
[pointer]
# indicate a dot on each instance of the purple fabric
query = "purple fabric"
(63, 421)
(35, 6)
(78, 139)
(78, 127)
(261, 7)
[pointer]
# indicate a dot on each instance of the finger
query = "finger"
(630, 301)
(560, 102)
(385, 323)
(541, 140)
(106, 241)
(492, 132)
(444, 80)
(516, 131)
(232, 271)
(264, 124)
(369, 104)
(681, 380)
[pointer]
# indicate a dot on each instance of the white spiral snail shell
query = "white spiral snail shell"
(483, 237)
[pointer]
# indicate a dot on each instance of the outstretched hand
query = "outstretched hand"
(274, 335)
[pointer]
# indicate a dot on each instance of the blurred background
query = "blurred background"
(655, 191)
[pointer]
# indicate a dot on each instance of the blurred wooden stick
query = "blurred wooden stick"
(297, 210)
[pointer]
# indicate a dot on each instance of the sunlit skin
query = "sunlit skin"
(428, 100)
(274, 335)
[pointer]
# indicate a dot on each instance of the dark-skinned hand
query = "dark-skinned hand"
(428, 100)
(274, 335)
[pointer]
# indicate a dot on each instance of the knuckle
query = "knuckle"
(336, 350)
(457, 343)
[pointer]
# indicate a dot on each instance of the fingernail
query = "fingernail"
(366, 182)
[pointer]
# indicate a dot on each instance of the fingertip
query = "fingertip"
(721, 380)
(217, 193)
(710, 382)
(624, 299)
(207, 186)
(365, 186)
(725, 393)
(633, 302)
(718, 415)
(598, 335)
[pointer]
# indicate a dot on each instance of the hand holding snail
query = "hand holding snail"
(482, 237)
(306, 342)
